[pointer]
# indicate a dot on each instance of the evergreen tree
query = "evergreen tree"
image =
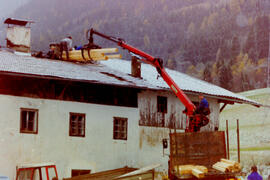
(207, 73)
(235, 47)
(225, 76)
(263, 36)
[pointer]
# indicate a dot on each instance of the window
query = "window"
(78, 172)
(120, 128)
(162, 104)
(29, 121)
(77, 124)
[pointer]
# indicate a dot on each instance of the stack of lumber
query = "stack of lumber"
(225, 165)
(124, 173)
(195, 170)
(109, 174)
(95, 54)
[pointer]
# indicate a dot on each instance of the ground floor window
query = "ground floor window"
(78, 172)
(120, 128)
(77, 124)
(29, 121)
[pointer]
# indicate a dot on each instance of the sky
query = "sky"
(7, 7)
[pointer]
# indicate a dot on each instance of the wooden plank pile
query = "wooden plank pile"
(109, 174)
(195, 170)
(95, 55)
(225, 165)
(126, 173)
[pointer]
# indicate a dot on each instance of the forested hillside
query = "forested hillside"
(224, 42)
(8, 6)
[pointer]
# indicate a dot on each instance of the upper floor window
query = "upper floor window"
(162, 104)
(77, 124)
(29, 121)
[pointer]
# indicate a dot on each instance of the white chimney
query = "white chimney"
(18, 34)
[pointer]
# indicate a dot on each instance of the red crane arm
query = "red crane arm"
(157, 63)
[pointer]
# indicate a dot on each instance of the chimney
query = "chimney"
(18, 34)
(135, 67)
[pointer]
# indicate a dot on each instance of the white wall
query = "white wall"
(176, 107)
(97, 151)
(150, 138)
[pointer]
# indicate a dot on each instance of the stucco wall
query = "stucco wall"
(150, 138)
(148, 99)
(19, 35)
(97, 151)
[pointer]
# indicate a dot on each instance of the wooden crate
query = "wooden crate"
(200, 148)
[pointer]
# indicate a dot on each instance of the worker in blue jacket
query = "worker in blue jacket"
(254, 175)
(202, 110)
(200, 118)
(203, 107)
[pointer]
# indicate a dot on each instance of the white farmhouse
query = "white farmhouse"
(92, 117)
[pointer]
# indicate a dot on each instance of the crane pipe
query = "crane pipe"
(157, 63)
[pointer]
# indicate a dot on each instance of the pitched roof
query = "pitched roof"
(47, 68)
(115, 72)
(187, 83)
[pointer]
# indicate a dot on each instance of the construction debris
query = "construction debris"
(197, 171)
(184, 169)
(225, 165)
(202, 168)
(125, 173)
(139, 171)
(109, 174)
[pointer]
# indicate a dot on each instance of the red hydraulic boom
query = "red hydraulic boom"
(156, 62)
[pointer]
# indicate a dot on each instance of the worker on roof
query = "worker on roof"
(54, 52)
(66, 45)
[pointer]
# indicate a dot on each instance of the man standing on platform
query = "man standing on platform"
(65, 45)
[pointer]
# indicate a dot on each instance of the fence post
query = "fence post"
(238, 141)
(227, 134)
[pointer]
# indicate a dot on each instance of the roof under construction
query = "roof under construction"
(114, 72)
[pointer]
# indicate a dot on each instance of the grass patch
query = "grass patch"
(253, 149)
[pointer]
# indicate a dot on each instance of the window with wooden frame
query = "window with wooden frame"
(162, 104)
(77, 124)
(29, 121)
(120, 128)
